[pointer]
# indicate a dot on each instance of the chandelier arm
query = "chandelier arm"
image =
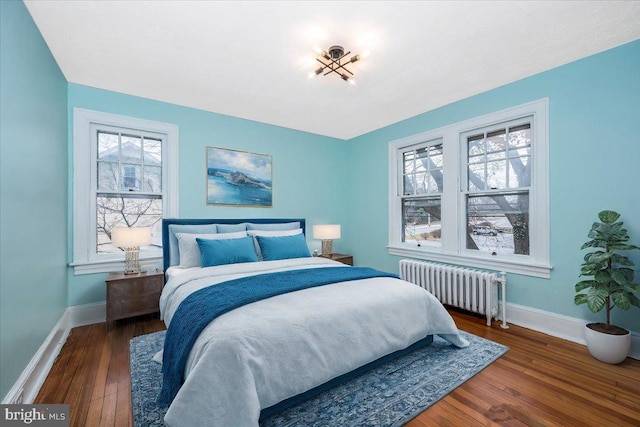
(340, 66)
(331, 70)
(344, 55)
(323, 64)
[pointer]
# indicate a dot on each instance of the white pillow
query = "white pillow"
(272, 233)
(189, 250)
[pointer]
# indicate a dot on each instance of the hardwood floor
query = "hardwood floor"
(541, 381)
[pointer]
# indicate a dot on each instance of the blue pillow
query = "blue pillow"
(226, 251)
(283, 247)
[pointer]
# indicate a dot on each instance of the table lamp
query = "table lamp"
(130, 239)
(326, 232)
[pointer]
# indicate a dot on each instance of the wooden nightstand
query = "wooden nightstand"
(133, 294)
(345, 259)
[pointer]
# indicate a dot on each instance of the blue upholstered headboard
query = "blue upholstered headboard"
(203, 221)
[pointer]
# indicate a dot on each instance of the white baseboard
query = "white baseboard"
(87, 314)
(558, 325)
(28, 384)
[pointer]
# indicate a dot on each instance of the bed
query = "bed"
(250, 335)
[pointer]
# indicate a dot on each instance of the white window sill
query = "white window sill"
(110, 265)
(508, 266)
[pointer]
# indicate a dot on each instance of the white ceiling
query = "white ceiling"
(252, 59)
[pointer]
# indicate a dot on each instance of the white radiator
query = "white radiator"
(465, 288)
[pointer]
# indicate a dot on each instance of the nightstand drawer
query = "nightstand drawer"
(134, 288)
(133, 306)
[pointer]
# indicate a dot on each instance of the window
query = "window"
(129, 184)
(125, 175)
(474, 193)
(498, 181)
(421, 193)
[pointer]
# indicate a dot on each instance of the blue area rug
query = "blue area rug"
(389, 395)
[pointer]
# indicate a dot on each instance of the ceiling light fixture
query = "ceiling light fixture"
(333, 61)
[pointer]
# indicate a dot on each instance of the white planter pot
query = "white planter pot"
(606, 347)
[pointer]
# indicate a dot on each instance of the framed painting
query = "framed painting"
(238, 178)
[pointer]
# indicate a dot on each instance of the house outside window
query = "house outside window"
(125, 175)
(474, 193)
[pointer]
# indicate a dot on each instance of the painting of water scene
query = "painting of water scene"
(238, 178)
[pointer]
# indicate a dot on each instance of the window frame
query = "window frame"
(429, 195)
(86, 260)
(453, 241)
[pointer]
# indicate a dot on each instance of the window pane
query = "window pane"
(152, 153)
(499, 223)
(108, 146)
(421, 183)
(519, 172)
(107, 176)
(131, 149)
(435, 181)
(520, 136)
(421, 221)
(124, 211)
(408, 162)
(409, 185)
(476, 177)
(496, 141)
(131, 177)
(475, 147)
(152, 179)
(437, 160)
(497, 175)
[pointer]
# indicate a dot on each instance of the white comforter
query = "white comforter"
(260, 354)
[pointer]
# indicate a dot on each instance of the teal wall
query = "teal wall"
(309, 171)
(594, 165)
(33, 185)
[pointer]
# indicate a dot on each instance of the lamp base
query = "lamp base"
(132, 260)
(327, 247)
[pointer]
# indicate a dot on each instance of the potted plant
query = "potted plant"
(611, 286)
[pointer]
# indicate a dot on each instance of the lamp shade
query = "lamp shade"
(326, 231)
(131, 237)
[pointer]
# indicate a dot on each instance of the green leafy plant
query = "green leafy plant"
(612, 278)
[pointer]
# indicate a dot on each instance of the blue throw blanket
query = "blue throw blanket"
(200, 308)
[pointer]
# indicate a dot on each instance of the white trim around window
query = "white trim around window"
(85, 258)
(453, 211)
